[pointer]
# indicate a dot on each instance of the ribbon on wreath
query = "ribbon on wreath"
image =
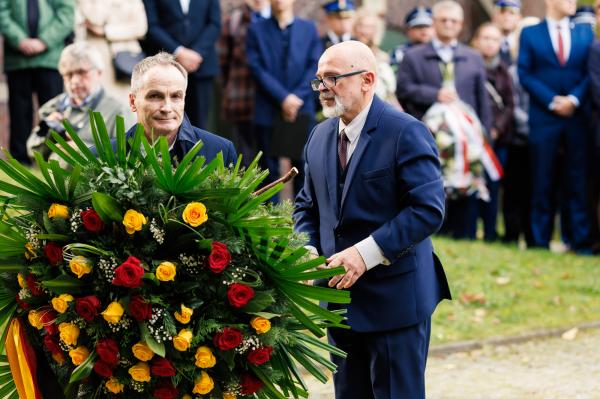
(22, 361)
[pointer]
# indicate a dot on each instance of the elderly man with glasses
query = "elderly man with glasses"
(81, 67)
(372, 197)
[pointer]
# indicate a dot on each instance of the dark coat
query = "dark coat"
(420, 79)
(276, 79)
(199, 29)
(594, 73)
(502, 101)
(393, 191)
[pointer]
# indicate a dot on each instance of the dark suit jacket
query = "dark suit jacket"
(594, 73)
(420, 79)
(275, 83)
(187, 137)
(393, 192)
(543, 77)
(199, 29)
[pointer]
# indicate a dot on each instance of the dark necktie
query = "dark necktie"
(33, 14)
(561, 47)
(343, 149)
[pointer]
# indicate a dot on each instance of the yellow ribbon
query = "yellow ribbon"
(17, 360)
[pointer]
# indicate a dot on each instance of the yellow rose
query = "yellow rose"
(58, 211)
(183, 340)
(61, 302)
(21, 280)
(79, 354)
(229, 395)
(260, 324)
(142, 352)
(30, 252)
(80, 266)
(205, 358)
(203, 384)
(194, 214)
(133, 221)
(68, 333)
(186, 396)
(113, 312)
(166, 271)
(59, 357)
(114, 386)
(140, 372)
(185, 315)
(35, 319)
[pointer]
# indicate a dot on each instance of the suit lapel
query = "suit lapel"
(330, 165)
(549, 47)
(363, 142)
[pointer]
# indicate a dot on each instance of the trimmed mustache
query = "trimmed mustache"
(326, 96)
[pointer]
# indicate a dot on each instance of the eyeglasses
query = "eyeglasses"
(329, 81)
(79, 72)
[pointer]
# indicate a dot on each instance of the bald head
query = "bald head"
(350, 54)
(351, 71)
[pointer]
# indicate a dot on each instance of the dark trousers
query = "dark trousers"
(197, 100)
(488, 210)
(516, 199)
(461, 217)
(545, 142)
(381, 365)
(46, 83)
(244, 140)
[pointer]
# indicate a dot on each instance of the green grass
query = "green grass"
(499, 290)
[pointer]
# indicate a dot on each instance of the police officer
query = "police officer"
(419, 30)
(339, 18)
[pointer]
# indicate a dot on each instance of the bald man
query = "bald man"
(372, 197)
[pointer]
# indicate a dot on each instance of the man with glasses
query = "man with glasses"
(372, 197)
(81, 67)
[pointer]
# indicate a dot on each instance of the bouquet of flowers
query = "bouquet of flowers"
(464, 151)
(134, 275)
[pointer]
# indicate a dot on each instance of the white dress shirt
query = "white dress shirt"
(444, 51)
(565, 31)
(185, 5)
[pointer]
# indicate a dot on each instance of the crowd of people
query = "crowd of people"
(532, 84)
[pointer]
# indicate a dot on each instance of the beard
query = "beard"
(335, 111)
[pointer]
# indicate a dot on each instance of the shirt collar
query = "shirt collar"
(564, 23)
(437, 44)
(356, 125)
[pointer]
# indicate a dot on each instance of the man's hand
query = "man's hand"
(353, 263)
(563, 106)
(31, 46)
(446, 95)
(55, 116)
(190, 59)
(290, 107)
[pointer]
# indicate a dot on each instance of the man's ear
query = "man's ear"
(132, 102)
(368, 80)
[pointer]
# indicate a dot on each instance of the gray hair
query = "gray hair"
(79, 53)
(446, 5)
(160, 59)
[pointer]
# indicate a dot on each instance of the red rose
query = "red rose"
(165, 390)
(260, 355)
(51, 344)
(108, 351)
(161, 367)
(47, 318)
(21, 303)
(229, 338)
(250, 384)
(103, 369)
(219, 257)
(33, 286)
(87, 307)
(140, 309)
(91, 221)
(54, 253)
(129, 273)
(239, 295)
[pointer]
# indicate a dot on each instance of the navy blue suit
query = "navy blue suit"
(393, 191)
(187, 137)
(543, 77)
(169, 27)
(283, 62)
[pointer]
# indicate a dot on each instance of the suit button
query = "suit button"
(338, 235)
